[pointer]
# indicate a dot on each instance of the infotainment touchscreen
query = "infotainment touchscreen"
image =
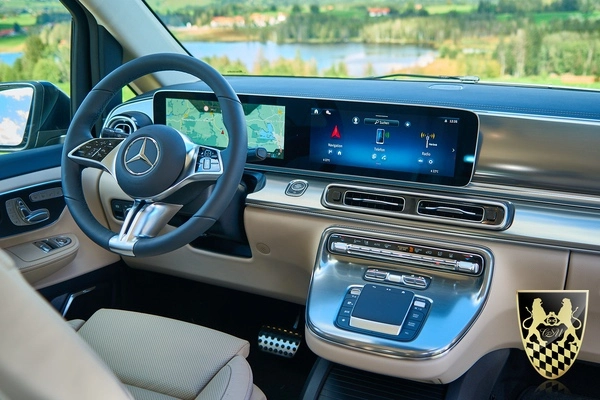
(409, 142)
(366, 140)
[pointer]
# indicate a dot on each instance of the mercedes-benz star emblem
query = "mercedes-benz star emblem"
(141, 156)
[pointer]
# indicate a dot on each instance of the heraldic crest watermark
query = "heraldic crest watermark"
(552, 324)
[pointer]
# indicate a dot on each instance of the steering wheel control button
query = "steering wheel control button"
(120, 208)
(96, 149)
(296, 188)
(208, 160)
(150, 161)
(383, 311)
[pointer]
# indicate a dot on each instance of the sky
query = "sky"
(15, 104)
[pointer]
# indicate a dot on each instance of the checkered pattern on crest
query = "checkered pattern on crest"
(552, 360)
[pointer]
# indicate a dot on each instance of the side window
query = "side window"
(35, 60)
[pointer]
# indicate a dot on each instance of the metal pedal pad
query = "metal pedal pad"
(279, 341)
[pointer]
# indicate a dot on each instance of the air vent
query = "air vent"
(463, 212)
(123, 125)
(374, 201)
(383, 203)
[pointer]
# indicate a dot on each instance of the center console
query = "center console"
(395, 296)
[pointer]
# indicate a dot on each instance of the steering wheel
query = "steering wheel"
(153, 163)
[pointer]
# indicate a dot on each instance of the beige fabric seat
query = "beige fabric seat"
(115, 354)
(160, 358)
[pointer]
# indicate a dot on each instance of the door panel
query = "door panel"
(52, 250)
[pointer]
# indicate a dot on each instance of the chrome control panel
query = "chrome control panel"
(398, 296)
(408, 253)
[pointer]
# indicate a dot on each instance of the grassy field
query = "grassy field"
(24, 20)
(33, 6)
(12, 44)
(165, 6)
(446, 8)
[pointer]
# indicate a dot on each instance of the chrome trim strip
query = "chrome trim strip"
(30, 187)
(562, 225)
(72, 298)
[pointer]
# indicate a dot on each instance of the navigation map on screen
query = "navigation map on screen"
(202, 122)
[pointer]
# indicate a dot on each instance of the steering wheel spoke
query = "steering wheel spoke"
(97, 153)
(143, 220)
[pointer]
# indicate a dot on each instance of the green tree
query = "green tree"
(533, 46)
(7, 74)
(46, 70)
(339, 70)
(34, 50)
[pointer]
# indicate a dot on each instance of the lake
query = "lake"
(9, 58)
(359, 58)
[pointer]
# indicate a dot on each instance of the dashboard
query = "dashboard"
(404, 215)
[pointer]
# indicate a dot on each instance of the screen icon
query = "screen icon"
(380, 135)
(335, 134)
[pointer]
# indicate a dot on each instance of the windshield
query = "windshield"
(547, 42)
(550, 42)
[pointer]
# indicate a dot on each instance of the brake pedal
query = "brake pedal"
(279, 341)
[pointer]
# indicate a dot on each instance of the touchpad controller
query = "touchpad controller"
(384, 311)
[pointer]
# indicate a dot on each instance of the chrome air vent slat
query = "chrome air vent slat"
(123, 125)
(374, 201)
(466, 212)
(478, 213)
